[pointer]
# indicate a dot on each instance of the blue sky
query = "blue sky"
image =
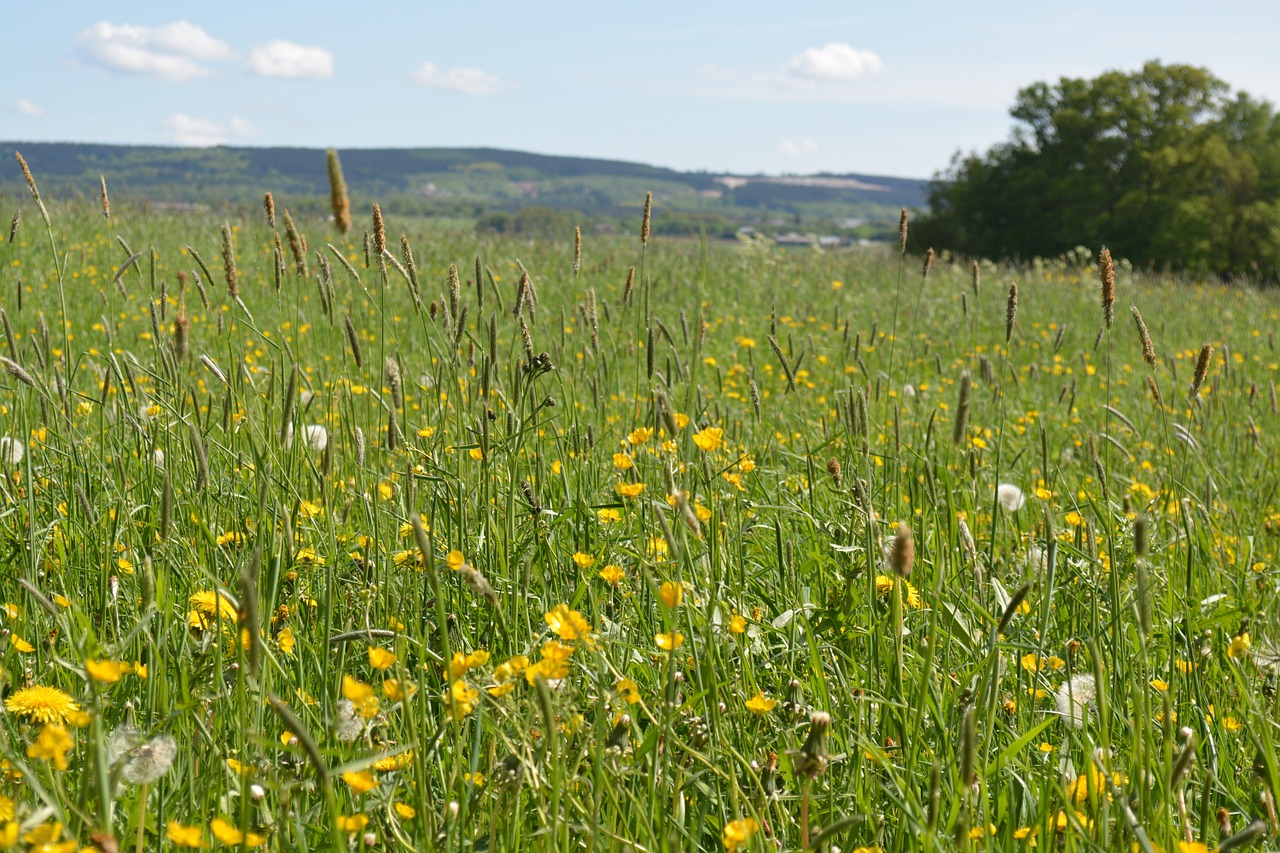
(891, 88)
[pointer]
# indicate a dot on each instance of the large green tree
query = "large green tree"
(1166, 166)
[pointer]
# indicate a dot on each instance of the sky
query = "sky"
(882, 88)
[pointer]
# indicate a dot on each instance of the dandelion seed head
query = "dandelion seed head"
(12, 450)
(1010, 497)
(1075, 698)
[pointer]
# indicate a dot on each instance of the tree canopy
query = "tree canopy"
(1166, 166)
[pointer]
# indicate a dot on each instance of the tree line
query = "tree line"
(1167, 166)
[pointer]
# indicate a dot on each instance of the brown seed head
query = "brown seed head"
(106, 202)
(928, 261)
(379, 231)
(26, 173)
(269, 205)
(229, 262)
(902, 233)
(339, 201)
(1202, 368)
(833, 468)
(644, 223)
(1148, 348)
(1107, 273)
(1010, 311)
(902, 554)
(977, 277)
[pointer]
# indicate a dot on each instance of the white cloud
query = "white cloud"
(802, 147)
(174, 52)
(203, 133)
(29, 108)
(291, 61)
(466, 81)
(835, 62)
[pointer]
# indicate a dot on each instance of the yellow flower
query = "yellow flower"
(360, 695)
(1162, 686)
(609, 516)
(761, 704)
(361, 782)
(738, 833)
(554, 663)
(230, 538)
(186, 836)
(640, 435)
(568, 624)
(681, 419)
(351, 824)
(52, 745)
(622, 461)
(737, 624)
(406, 812)
(227, 833)
(208, 607)
(476, 453)
(613, 575)
(629, 490)
(628, 690)
(285, 640)
(308, 557)
(455, 559)
(41, 704)
(671, 593)
(461, 663)
(107, 671)
(1239, 645)
(380, 658)
(584, 561)
(395, 762)
(426, 432)
(20, 645)
(709, 439)
(1184, 667)
(669, 642)
(461, 699)
(310, 509)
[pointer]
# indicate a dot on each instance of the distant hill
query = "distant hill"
(469, 183)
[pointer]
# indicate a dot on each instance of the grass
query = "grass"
(462, 592)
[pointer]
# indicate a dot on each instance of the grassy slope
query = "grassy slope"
(778, 542)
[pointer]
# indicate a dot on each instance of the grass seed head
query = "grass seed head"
(106, 202)
(269, 205)
(1148, 348)
(1107, 273)
(902, 233)
(1202, 369)
(644, 222)
(902, 554)
(928, 262)
(339, 200)
(229, 262)
(1010, 311)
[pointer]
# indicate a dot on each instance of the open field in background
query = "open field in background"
(377, 571)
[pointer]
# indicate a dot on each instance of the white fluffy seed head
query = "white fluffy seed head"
(12, 450)
(317, 437)
(1010, 497)
(1075, 698)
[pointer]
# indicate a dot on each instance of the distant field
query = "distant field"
(357, 553)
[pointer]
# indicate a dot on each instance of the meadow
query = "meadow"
(312, 540)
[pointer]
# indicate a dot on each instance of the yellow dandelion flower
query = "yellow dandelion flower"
(41, 704)
(227, 833)
(186, 836)
(737, 624)
(361, 782)
(52, 745)
(628, 690)
(738, 833)
(1240, 645)
(107, 671)
(761, 704)
(669, 642)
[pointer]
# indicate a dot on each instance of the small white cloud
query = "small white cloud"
(802, 147)
(174, 52)
(466, 81)
(195, 132)
(835, 62)
(291, 61)
(29, 108)
(242, 127)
